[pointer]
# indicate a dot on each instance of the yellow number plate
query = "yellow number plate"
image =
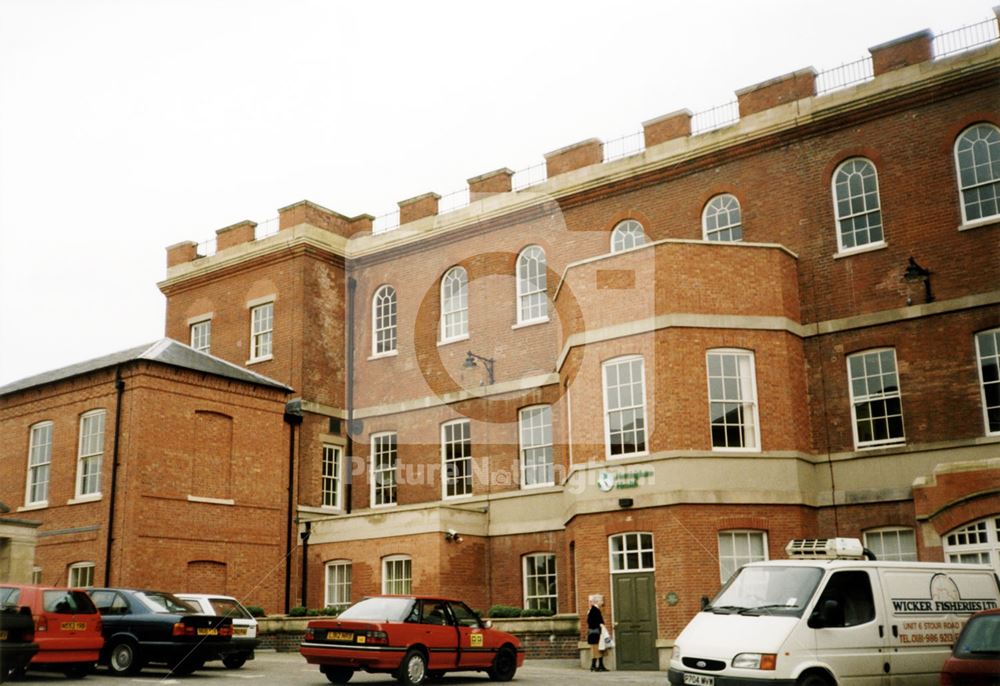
(208, 632)
(3, 635)
(239, 631)
(340, 636)
(476, 640)
(74, 626)
(361, 639)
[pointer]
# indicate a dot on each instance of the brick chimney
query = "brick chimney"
(179, 253)
(243, 232)
(418, 207)
(490, 183)
(666, 128)
(902, 52)
(777, 91)
(582, 154)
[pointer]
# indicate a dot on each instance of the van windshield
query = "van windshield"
(771, 590)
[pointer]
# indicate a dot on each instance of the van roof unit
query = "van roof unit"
(825, 548)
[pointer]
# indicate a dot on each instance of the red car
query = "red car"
(975, 659)
(413, 638)
(67, 626)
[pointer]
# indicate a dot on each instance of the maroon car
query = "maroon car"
(975, 659)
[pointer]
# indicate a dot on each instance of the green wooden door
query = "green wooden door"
(635, 619)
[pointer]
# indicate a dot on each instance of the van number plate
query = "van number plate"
(699, 680)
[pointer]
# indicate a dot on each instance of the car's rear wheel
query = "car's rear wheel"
(186, 666)
(413, 669)
(337, 675)
(504, 665)
(124, 659)
(234, 661)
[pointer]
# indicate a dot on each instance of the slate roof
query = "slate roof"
(164, 351)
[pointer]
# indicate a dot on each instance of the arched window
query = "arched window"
(384, 321)
(338, 584)
(977, 159)
(532, 304)
(977, 543)
(627, 235)
(397, 575)
(722, 220)
(454, 304)
(856, 201)
(892, 543)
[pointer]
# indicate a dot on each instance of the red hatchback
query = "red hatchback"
(67, 626)
(975, 659)
(412, 638)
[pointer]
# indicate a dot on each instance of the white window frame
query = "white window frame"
(619, 361)
(730, 562)
(36, 492)
(621, 561)
(746, 398)
(853, 213)
(201, 335)
(532, 289)
(994, 359)
(717, 219)
(626, 235)
(535, 439)
(868, 398)
(332, 476)
(975, 184)
(454, 305)
(338, 583)
(446, 460)
(90, 455)
(548, 579)
(401, 585)
(81, 575)
(384, 322)
(262, 331)
(381, 494)
(977, 542)
(875, 540)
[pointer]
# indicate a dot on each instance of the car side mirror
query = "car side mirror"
(824, 615)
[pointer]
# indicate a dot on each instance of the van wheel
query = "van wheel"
(124, 658)
(813, 680)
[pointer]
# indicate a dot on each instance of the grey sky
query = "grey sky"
(126, 127)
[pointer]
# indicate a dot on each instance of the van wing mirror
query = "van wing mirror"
(826, 614)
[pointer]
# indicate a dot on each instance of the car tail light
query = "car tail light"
(310, 635)
(379, 638)
(226, 630)
(182, 629)
(41, 623)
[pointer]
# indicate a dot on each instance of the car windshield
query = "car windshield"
(771, 590)
(379, 609)
(980, 638)
(164, 603)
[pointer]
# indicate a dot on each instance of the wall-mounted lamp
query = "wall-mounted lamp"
(914, 274)
(452, 536)
(625, 502)
(470, 363)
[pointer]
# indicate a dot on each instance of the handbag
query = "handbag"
(607, 640)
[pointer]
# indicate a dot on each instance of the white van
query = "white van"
(829, 617)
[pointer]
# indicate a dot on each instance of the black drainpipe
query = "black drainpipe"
(305, 563)
(352, 287)
(119, 390)
(293, 417)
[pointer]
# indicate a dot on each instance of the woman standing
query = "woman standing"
(595, 622)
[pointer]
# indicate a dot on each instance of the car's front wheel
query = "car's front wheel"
(78, 670)
(124, 659)
(413, 670)
(337, 675)
(504, 665)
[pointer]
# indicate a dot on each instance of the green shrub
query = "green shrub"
(256, 611)
(297, 611)
(504, 611)
(330, 611)
(537, 612)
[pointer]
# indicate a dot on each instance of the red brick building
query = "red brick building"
(181, 453)
(645, 370)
